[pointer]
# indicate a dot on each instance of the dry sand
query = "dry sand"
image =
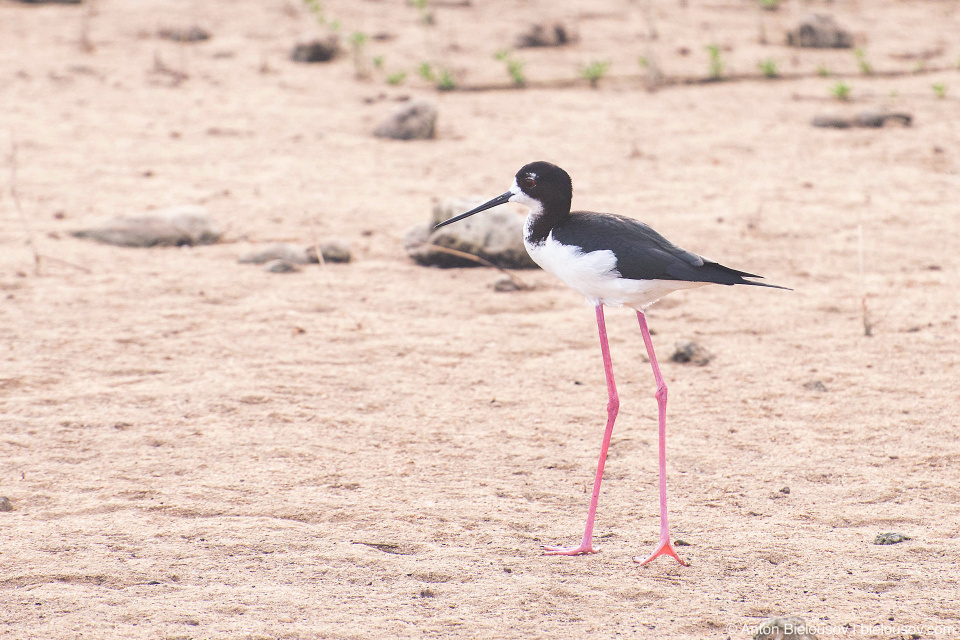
(199, 449)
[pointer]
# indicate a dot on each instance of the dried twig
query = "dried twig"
(520, 284)
(16, 204)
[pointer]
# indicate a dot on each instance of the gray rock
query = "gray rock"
(184, 34)
(332, 251)
(815, 385)
(880, 118)
(5, 504)
(546, 35)
(792, 628)
(414, 121)
(821, 32)
(688, 351)
(864, 119)
(891, 537)
(322, 49)
(289, 252)
(186, 224)
(495, 235)
(281, 266)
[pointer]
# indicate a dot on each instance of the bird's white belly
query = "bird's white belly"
(595, 275)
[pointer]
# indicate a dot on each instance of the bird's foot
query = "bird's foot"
(664, 549)
(583, 549)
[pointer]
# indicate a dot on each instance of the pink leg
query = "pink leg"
(613, 405)
(664, 548)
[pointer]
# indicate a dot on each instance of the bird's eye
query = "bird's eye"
(529, 181)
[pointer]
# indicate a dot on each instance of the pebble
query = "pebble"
(287, 252)
(414, 121)
(496, 235)
(874, 119)
(815, 385)
(184, 34)
(792, 628)
(332, 251)
(546, 35)
(281, 266)
(183, 225)
(5, 504)
(688, 351)
(890, 537)
(819, 31)
(323, 49)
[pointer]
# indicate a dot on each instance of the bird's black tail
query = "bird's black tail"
(719, 274)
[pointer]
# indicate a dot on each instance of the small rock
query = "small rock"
(891, 537)
(495, 235)
(820, 31)
(332, 251)
(323, 49)
(505, 284)
(184, 34)
(688, 351)
(815, 385)
(880, 118)
(681, 543)
(793, 628)
(864, 119)
(171, 227)
(287, 252)
(5, 504)
(546, 35)
(414, 121)
(281, 266)
(834, 122)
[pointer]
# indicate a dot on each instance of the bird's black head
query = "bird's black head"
(541, 184)
(544, 187)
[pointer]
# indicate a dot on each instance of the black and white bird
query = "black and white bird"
(611, 260)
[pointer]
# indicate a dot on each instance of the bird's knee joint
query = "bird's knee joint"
(613, 406)
(662, 393)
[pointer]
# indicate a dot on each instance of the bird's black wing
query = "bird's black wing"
(641, 252)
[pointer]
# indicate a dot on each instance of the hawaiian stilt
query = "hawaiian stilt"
(612, 260)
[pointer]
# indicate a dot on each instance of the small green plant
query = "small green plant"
(940, 90)
(358, 41)
(840, 91)
(594, 71)
(446, 82)
(769, 5)
(716, 62)
(865, 67)
(396, 78)
(426, 16)
(644, 62)
(378, 62)
(425, 71)
(514, 67)
(768, 68)
(316, 8)
(823, 71)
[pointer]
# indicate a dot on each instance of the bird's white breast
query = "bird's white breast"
(594, 275)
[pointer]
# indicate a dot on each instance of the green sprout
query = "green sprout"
(716, 62)
(357, 41)
(644, 62)
(594, 71)
(768, 68)
(316, 8)
(396, 78)
(378, 62)
(426, 16)
(426, 71)
(823, 71)
(940, 89)
(514, 67)
(769, 5)
(865, 67)
(446, 81)
(840, 91)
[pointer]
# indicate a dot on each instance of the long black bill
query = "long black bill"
(487, 205)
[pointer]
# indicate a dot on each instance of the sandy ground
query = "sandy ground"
(199, 449)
